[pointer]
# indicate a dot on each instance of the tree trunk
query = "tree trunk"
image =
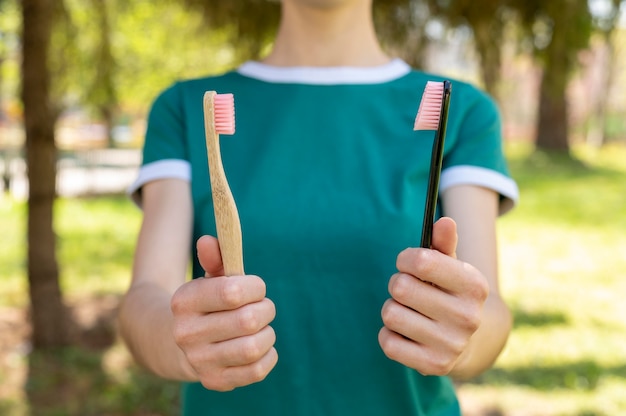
(48, 313)
(552, 124)
(103, 90)
(107, 113)
(485, 31)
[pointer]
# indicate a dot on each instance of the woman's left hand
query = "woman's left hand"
(435, 306)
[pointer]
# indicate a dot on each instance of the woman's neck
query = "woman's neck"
(326, 36)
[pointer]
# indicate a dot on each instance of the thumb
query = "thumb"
(445, 237)
(209, 256)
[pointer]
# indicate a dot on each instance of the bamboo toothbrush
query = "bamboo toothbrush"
(219, 118)
(433, 115)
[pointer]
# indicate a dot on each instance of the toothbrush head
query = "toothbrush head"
(429, 112)
(224, 112)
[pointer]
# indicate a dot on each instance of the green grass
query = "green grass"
(96, 239)
(95, 242)
(12, 251)
(75, 381)
(563, 271)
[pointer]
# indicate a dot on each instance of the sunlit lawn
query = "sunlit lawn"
(563, 267)
(95, 240)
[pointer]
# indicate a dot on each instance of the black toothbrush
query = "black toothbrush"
(433, 115)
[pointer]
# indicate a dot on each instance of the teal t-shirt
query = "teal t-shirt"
(330, 180)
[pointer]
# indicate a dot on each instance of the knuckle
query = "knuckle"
(423, 262)
(391, 315)
(251, 350)
(257, 372)
(438, 365)
(480, 290)
(248, 320)
(231, 293)
(399, 288)
(182, 336)
(479, 287)
(484, 292)
(271, 307)
(261, 284)
(390, 348)
(457, 346)
(469, 319)
(177, 302)
(472, 322)
(196, 358)
(272, 335)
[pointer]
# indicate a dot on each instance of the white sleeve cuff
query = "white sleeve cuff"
(487, 178)
(161, 169)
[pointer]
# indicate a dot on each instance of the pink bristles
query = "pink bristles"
(224, 111)
(429, 110)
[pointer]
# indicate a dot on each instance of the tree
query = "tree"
(102, 93)
(250, 24)
(149, 56)
(487, 21)
(48, 313)
(400, 25)
(555, 31)
(558, 30)
(81, 63)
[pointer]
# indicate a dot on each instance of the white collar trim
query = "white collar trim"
(395, 69)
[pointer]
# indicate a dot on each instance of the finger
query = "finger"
(421, 296)
(426, 360)
(439, 269)
(209, 256)
(226, 325)
(245, 350)
(232, 377)
(445, 238)
(406, 322)
(417, 307)
(423, 330)
(201, 296)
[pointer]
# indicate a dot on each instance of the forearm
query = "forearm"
(145, 321)
(487, 342)
(161, 258)
(475, 211)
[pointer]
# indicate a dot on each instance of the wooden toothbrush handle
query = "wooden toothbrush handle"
(225, 209)
(228, 228)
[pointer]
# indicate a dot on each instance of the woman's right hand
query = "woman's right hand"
(222, 324)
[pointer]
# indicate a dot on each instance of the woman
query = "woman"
(330, 181)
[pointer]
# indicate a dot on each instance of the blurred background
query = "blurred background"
(78, 76)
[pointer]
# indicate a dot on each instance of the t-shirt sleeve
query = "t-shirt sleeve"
(475, 155)
(165, 153)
